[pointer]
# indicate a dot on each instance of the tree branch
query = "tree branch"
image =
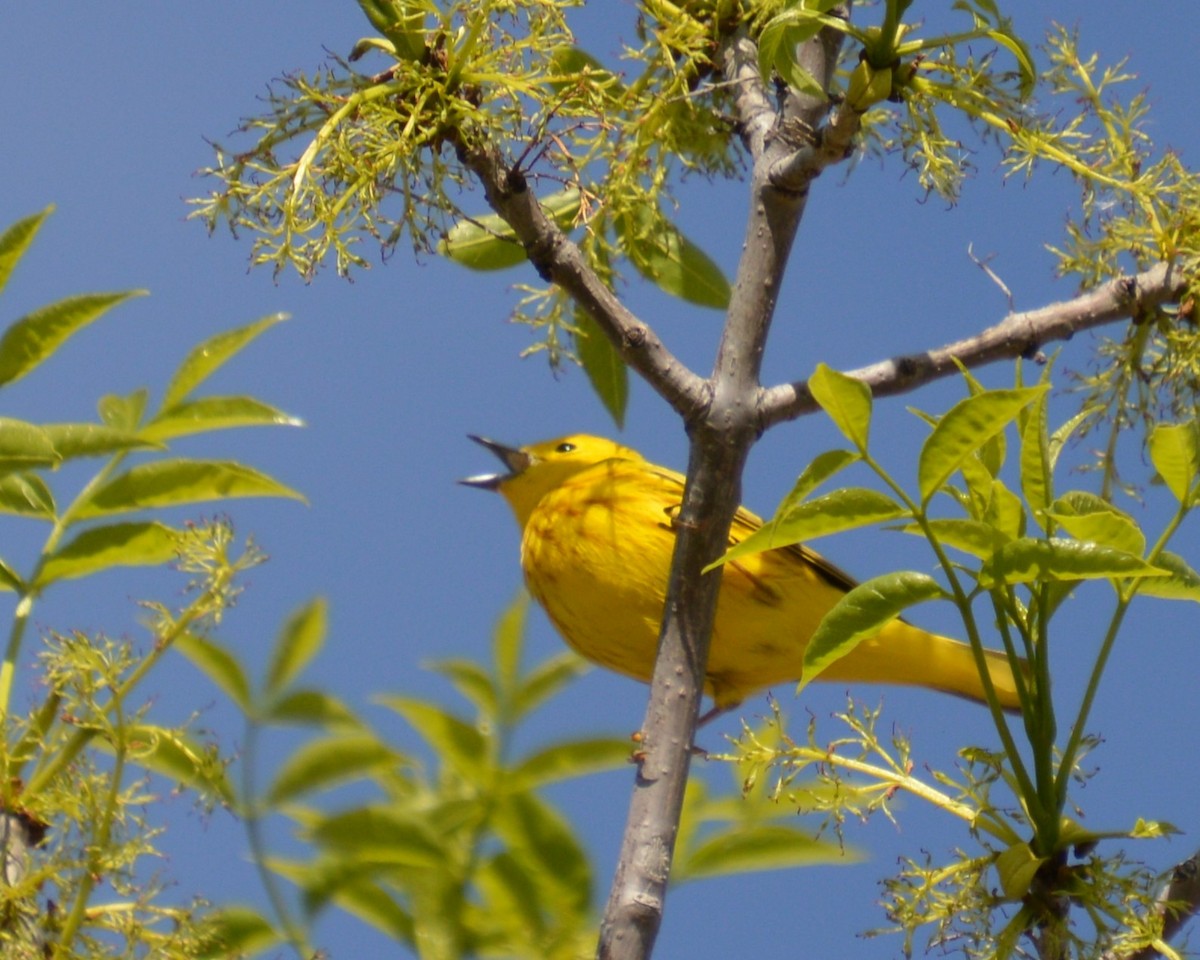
(559, 261)
(756, 114)
(1017, 335)
(721, 436)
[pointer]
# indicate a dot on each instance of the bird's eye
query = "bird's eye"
(564, 447)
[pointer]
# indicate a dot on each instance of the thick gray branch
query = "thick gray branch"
(721, 434)
(560, 261)
(1017, 335)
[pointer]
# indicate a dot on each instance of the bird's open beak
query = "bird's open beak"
(515, 460)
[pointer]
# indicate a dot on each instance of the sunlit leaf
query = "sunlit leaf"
(762, 846)
(236, 931)
(663, 255)
(862, 613)
(15, 240)
(1181, 583)
(298, 642)
(311, 708)
(139, 544)
(381, 836)
(26, 495)
(219, 665)
(968, 425)
(1175, 453)
(458, 743)
(1017, 866)
(178, 757)
(93, 440)
(208, 357)
(846, 400)
(24, 445)
(487, 242)
(1025, 560)
(327, 762)
(1088, 517)
(215, 413)
(603, 365)
(548, 678)
(574, 758)
(33, 338)
(845, 509)
(168, 483)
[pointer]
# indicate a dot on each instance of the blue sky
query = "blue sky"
(105, 115)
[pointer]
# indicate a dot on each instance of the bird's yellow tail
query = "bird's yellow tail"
(902, 653)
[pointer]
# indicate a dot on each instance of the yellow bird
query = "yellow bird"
(597, 536)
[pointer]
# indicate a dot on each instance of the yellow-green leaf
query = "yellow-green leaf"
(298, 642)
(966, 427)
(142, 544)
(846, 400)
(37, 335)
(168, 483)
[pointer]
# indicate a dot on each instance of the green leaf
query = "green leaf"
(547, 679)
(845, 509)
(544, 844)
(489, 243)
(93, 440)
(846, 400)
(178, 757)
(16, 240)
(311, 708)
(822, 467)
(215, 413)
(123, 413)
(661, 253)
(472, 680)
(26, 495)
(862, 613)
(140, 544)
(9, 580)
(575, 758)
(456, 742)
(381, 836)
(37, 335)
(603, 365)
(753, 847)
(1005, 511)
(1182, 582)
(777, 44)
(327, 762)
(298, 642)
(1175, 453)
(1017, 47)
(208, 357)
(508, 639)
(1088, 517)
(1017, 867)
(1026, 560)
(1037, 482)
(24, 445)
(237, 931)
(571, 63)
(974, 537)
(219, 665)
(169, 483)
(966, 427)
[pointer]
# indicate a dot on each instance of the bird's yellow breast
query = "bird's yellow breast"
(596, 554)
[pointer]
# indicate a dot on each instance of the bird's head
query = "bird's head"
(535, 470)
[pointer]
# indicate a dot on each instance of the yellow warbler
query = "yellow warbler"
(597, 522)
